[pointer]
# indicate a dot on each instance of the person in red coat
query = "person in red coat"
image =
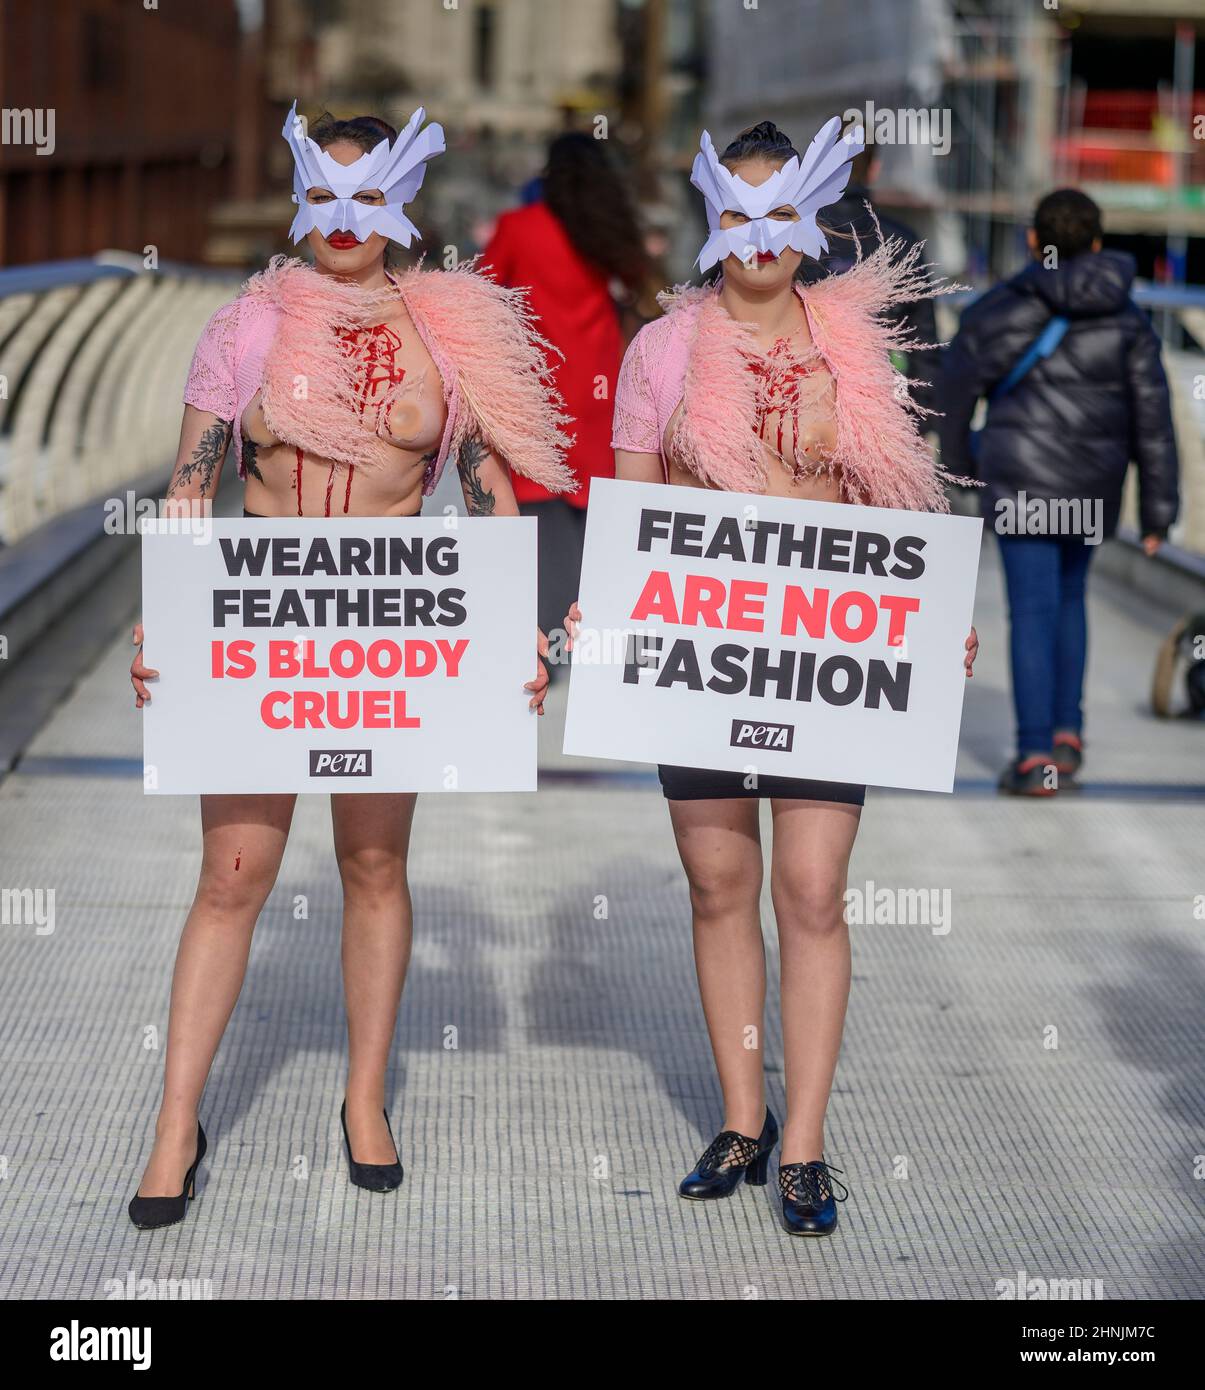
(574, 250)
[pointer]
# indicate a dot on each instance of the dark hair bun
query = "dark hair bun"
(375, 126)
(761, 141)
(365, 131)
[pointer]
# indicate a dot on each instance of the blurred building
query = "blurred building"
(1099, 93)
(957, 100)
(508, 66)
(1132, 126)
(167, 120)
(500, 75)
(142, 148)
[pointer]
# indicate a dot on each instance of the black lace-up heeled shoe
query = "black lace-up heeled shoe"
(373, 1177)
(149, 1213)
(729, 1156)
(809, 1207)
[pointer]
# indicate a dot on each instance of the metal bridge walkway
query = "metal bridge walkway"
(542, 1152)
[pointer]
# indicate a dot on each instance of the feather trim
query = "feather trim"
(493, 365)
(500, 365)
(884, 459)
(716, 434)
(309, 382)
(881, 456)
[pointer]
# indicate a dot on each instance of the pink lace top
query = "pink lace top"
(225, 374)
(649, 388)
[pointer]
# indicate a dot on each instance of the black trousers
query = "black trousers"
(706, 784)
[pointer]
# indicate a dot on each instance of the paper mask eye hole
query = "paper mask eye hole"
(319, 195)
(731, 217)
(372, 196)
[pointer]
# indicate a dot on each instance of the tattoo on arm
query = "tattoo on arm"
(478, 498)
(428, 463)
(250, 467)
(206, 457)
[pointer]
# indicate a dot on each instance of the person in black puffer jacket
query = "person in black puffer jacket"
(1053, 456)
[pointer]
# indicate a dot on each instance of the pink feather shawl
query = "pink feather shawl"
(701, 358)
(492, 363)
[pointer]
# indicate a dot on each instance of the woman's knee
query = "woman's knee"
(809, 903)
(724, 891)
(372, 873)
(237, 886)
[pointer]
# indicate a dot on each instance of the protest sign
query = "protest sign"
(340, 654)
(771, 636)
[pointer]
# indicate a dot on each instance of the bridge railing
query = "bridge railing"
(94, 354)
(93, 359)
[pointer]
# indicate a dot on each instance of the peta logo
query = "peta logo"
(777, 736)
(341, 762)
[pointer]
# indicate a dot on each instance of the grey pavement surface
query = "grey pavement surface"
(1020, 1094)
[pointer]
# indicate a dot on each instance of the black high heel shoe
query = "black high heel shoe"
(809, 1207)
(727, 1158)
(374, 1177)
(149, 1213)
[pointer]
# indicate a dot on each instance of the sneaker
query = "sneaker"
(1068, 753)
(1029, 776)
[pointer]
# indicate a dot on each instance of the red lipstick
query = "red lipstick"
(765, 256)
(342, 241)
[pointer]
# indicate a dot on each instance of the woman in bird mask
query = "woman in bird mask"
(346, 388)
(773, 378)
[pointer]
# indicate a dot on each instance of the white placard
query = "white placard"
(832, 648)
(415, 635)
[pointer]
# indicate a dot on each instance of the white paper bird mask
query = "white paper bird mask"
(396, 170)
(806, 184)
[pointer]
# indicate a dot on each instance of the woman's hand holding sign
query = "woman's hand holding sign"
(572, 621)
(539, 686)
(140, 673)
(972, 650)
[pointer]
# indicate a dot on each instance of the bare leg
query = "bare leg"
(244, 839)
(809, 867)
(720, 846)
(372, 840)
